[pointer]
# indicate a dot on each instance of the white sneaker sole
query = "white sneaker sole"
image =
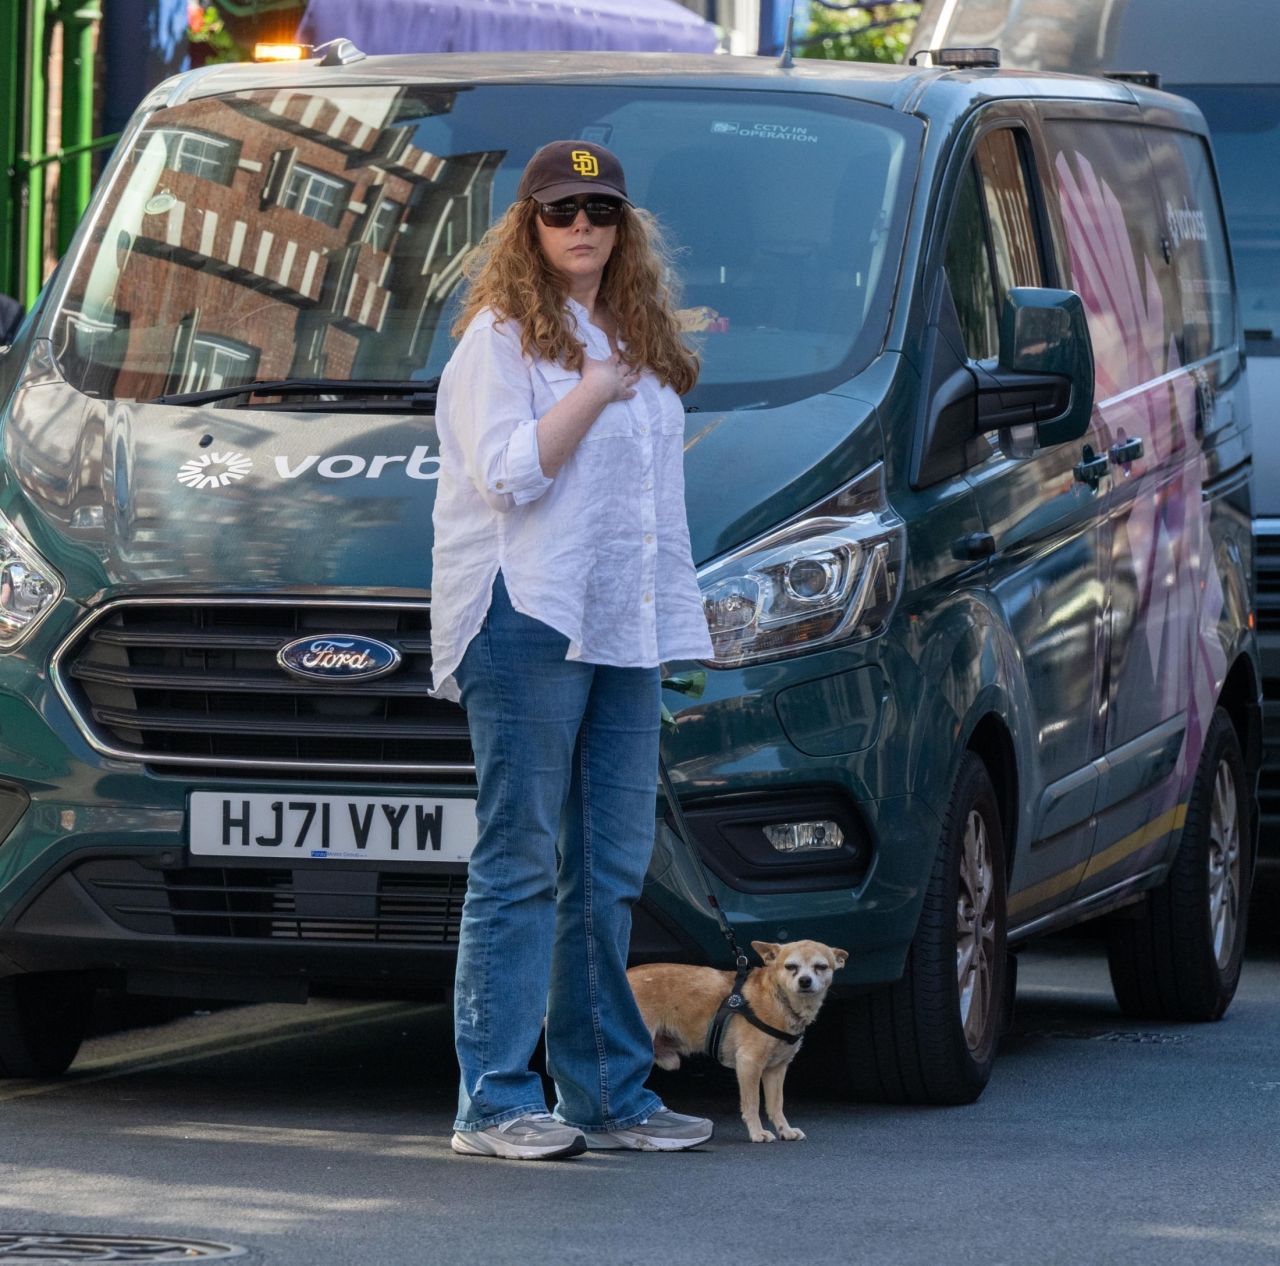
(631, 1140)
(478, 1143)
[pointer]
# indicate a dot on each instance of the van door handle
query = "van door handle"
(1093, 468)
(1126, 451)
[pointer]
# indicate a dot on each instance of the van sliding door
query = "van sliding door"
(1119, 253)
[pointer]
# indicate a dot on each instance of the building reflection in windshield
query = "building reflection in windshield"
(272, 236)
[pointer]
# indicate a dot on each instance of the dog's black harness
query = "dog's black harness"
(736, 1004)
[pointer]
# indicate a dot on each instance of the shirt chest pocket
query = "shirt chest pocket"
(615, 420)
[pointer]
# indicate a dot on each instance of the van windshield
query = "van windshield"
(1245, 122)
(311, 234)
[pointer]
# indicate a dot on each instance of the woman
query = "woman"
(562, 577)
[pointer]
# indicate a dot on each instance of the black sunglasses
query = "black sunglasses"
(601, 211)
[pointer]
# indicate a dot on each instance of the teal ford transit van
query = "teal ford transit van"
(968, 483)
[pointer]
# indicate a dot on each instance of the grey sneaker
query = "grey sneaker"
(664, 1131)
(535, 1136)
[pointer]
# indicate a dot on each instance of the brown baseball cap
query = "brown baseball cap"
(564, 168)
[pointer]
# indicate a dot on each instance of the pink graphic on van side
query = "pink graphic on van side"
(1143, 390)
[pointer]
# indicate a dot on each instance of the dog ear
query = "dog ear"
(767, 950)
(841, 957)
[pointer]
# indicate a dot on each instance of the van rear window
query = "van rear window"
(301, 233)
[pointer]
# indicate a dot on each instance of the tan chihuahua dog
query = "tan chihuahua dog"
(679, 1004)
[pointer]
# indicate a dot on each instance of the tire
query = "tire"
(43, 1020)
(1177, 955)
(931, 1037)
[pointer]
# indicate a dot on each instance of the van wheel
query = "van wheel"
(931, 1037)
(43, 1020)
(1177, 955)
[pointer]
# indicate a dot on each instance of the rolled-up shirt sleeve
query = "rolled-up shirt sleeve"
(492, 418)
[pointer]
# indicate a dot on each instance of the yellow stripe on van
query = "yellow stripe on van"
(1049, 888)
(1148, 834)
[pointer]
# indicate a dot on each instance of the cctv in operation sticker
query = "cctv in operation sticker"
(766, 131)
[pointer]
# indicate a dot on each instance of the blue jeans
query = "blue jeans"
(566, 759)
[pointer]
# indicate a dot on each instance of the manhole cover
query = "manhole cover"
(53, 1249)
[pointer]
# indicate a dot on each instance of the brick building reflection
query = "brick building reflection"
(311, 237)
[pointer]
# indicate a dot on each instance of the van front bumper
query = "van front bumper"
(146, 917)
(95, 874)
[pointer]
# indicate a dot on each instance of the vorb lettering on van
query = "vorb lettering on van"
(419, 464)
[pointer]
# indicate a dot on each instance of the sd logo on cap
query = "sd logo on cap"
(565, 168)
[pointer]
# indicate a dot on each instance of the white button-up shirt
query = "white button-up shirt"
(600, 552)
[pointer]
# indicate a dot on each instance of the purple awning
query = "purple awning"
(453, 26)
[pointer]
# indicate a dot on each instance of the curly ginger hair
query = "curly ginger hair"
(508, 274)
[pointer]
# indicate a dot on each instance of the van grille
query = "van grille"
(196, 683)
(321, 904)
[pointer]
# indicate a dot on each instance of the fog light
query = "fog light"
(804, 837)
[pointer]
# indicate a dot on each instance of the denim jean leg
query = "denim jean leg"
(524, 706)
(598, 1050)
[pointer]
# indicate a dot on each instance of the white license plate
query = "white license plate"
(295, 825)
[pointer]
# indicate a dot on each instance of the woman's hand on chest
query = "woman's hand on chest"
(562, 427)
(608, 380)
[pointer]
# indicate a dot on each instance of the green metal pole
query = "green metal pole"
(79, 22)
(10, 81)
(34, 126)
(98, 142)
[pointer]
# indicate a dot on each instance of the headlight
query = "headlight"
(28, 586)
(830, 575)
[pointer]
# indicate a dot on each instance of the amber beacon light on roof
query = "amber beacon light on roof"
(280, 52)
(338, 52)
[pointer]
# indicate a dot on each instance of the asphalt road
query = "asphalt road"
(319, 1135)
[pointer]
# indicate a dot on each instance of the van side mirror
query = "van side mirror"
(1046, 365)
(1042, 380)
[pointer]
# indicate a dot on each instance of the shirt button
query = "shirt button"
(647, 485)
(500, 485)
(644, 430)
(648, 538)
(648, 597)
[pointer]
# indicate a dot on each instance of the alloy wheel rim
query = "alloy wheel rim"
(975, 930)
(1224, 864)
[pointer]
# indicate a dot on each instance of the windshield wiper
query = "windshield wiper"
(418, 393)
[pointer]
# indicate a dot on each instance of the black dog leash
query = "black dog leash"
(736, 1003)
(686, 838)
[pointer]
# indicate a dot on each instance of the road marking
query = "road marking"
(172, 1054)
(356, 1142)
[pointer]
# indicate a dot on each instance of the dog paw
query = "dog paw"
(762, 1136)
(791, 1134)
